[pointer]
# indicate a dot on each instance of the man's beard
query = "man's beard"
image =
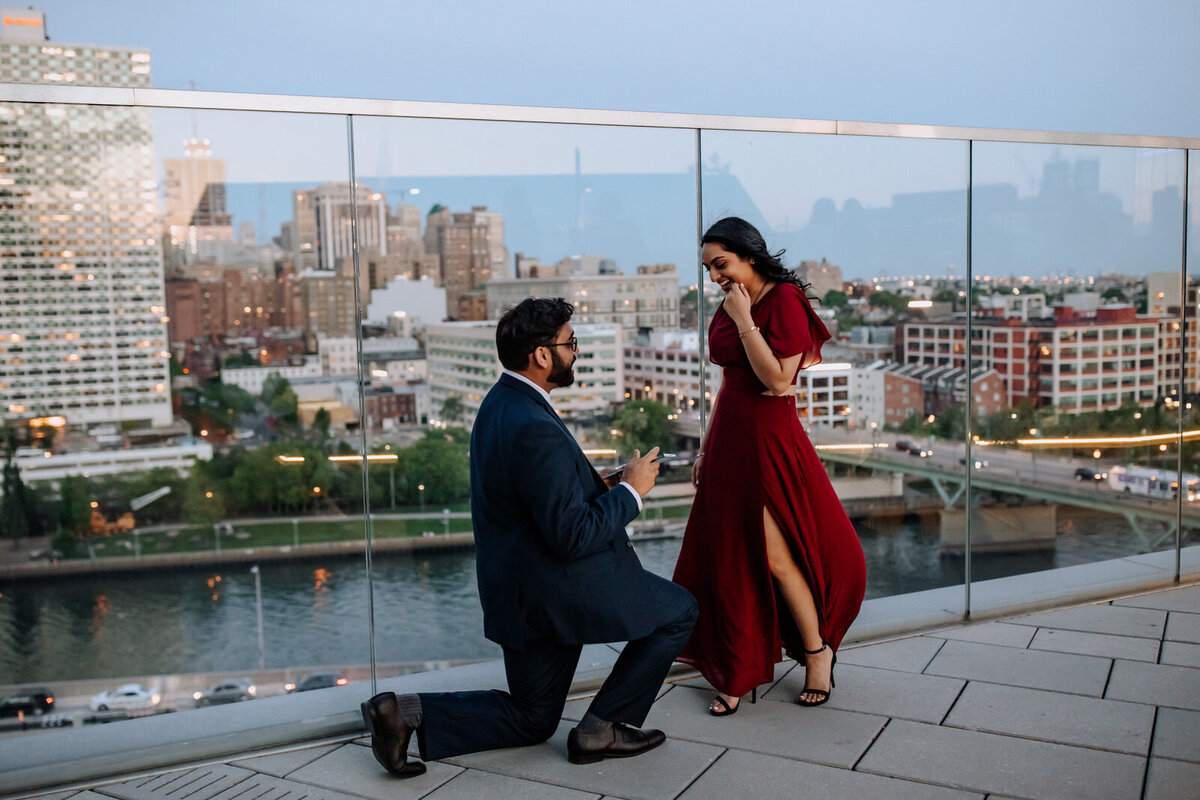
(561, 374)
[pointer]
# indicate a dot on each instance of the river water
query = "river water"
(426, 606)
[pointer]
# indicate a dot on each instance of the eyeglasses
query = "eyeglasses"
(572, 343)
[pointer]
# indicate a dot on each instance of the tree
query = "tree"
(642, 425)
(15, 516)
(74, 504)
(320, 425)
(439, 463)
(835, 298)
(203, 504)
(945, 296)
(279, 397)
(452, 409)
(1114, 294)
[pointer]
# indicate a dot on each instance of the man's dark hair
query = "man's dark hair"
(528, 325)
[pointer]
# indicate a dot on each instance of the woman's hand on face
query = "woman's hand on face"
(737, 306)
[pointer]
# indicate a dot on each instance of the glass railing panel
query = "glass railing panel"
(459, 221)
(877, 227)
(162, 378)
(1076, 350)
(1189, 359)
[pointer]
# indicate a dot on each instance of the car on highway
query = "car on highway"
(904, 445)
(979, 463)
(920, 452)
(317, 680)
(27, 701)
(231, 691)
(131, 696)
(1089, 474)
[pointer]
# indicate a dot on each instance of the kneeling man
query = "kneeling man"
(556, 571)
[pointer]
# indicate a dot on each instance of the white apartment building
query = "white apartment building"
(54, 467)
(82, 327)
(403, 354)
(823, 394)
(407, 303)
(462, 362)
(665, 366)
(252, 379)
(644, 300)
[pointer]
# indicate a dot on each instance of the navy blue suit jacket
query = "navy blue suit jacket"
(551, 554)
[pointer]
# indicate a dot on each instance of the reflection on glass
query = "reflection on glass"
(1075, 349)
(877, 228)
(477, 217)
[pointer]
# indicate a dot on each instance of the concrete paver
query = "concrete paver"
(822, 735)
(912, 654)
(988, 763)
(739, 773)
(1158, 684)
(1183, 627)
(1131, 648)
(662, 773)
(1101, 618)
(1034, 669)
(474, 785)
(1180, 654)
(1177, 734)
(988, 633)
(280, 764)
(901, 695)
(1172, 780)
(1055, 717)
(353, 769)
(1185, 598)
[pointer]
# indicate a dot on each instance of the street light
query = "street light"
(262, 655)
(421, 490)
(1033, 453)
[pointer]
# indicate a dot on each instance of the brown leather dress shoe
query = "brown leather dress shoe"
(619, 741)
(390, 735)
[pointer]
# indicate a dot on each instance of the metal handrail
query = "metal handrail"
(480, 112)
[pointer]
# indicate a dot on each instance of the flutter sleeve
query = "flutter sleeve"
(793, 327)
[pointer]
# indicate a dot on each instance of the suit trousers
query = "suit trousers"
(539, 678)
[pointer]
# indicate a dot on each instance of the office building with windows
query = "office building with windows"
(83, 323)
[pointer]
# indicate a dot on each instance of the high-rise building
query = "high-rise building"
(195, 198)
(322, 224)
(464, 246)
(82, 310)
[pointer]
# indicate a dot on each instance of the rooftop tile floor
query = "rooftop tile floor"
(1093, 701)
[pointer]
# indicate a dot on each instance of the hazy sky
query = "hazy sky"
(1082, 65)
(1077, 65)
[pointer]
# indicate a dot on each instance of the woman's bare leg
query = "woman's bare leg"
(799, 599)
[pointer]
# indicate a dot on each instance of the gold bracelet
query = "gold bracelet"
(751, 329)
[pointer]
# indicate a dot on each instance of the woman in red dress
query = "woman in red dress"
(769, 552)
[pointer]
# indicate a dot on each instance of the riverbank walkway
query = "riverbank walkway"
(1100, 700)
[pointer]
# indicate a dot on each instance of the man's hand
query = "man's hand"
(641, 472)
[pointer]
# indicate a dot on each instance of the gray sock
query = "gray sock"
(591, 724)
(410, 709)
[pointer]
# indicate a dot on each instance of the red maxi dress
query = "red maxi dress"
(759, 456)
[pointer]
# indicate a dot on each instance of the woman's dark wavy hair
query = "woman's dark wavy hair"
(743, 240)
(527, 326)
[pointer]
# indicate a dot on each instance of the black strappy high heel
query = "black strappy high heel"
(806, 690)
(726, 709)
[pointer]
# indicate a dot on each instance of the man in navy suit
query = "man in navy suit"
(556, 571)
